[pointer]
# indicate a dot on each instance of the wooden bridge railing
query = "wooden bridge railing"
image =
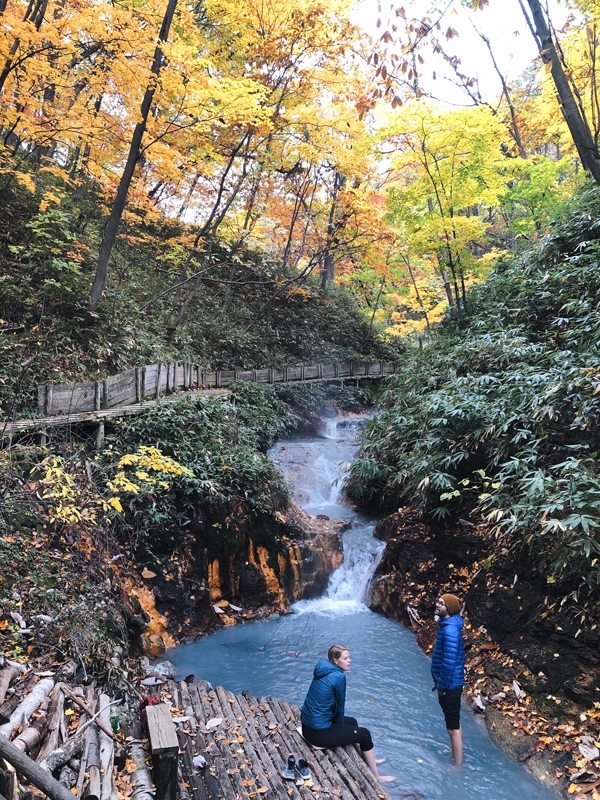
(137, 385)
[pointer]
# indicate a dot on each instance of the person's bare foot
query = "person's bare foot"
(386, 778)
(380, 760)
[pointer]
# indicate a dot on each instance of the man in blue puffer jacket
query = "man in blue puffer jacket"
(448, 667)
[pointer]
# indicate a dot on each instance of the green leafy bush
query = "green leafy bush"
(502, 415)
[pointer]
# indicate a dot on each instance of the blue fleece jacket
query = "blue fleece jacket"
(326, 698)
(448, 658)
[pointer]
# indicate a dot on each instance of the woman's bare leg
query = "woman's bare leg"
(371, 762)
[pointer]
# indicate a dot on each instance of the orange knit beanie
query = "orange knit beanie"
(453, 604)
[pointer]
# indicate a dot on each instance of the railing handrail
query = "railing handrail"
(150, 382)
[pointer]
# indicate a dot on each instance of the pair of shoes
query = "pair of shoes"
(295, 768)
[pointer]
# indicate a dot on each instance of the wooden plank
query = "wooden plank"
(163, 738)
(164, 746)
(310, 372)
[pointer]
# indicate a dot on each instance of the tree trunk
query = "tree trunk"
(328, 272)
(114, 220)
(578, 126)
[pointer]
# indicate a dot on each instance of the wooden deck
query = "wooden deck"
(246, 741)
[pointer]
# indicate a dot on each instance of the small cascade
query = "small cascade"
(349, 584)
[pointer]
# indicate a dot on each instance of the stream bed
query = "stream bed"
(389, 684)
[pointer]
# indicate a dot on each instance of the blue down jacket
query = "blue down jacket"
(448, 658)
(326, 698)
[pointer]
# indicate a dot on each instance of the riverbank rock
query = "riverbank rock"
(532, 660)
(238, 572)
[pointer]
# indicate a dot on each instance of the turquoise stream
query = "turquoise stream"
(389, 684)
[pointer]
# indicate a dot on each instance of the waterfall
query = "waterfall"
(349, 584)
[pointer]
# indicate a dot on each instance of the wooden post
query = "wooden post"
(351, 369)
(97, 395)
(48, 405)
(100, 435)
(104, 394)
(271, 375)
(164, 746)
(218, 379)
(43, 437)
(175, 386)
(41, 401)
(138, 385)
(320, 373)
(143, 386)
(158, 379)
(302, 372)
(285, 374)
(336, 367)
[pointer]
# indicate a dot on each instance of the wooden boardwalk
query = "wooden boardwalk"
(141, 388)
(246, 742)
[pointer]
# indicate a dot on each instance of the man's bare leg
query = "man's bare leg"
(456, 744)
(371, 762)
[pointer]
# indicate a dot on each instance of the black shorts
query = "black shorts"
(339, 734)
(450, 703)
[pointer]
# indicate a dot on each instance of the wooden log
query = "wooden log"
(26, 708)
(272, 770)
(78, 701)
(218, 762)
(186, 772)
(107, 750)
(250, 756)
(33, 735)
(5, 662)
(70, 749)
(164, 747)
(326, 775)
(83, 763)
(141, 777)
(199, 743)
(32, 771)
(7, 708)
(67, 777)
(94, 786)
(272, 743)
(55, 717)
(8, 781)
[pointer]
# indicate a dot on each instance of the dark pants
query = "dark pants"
(450, 703)
(339, 734)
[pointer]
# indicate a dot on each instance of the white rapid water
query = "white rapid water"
(319, 488)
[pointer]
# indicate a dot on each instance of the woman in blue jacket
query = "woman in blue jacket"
(323, 721)
(448, 667)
